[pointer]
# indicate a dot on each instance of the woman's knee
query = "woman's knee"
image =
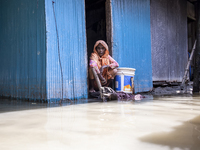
(113, 73)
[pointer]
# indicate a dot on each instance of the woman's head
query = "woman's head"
(101, 48)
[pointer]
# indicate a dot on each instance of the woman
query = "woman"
(100, 58)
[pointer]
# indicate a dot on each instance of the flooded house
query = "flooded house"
(45, 45)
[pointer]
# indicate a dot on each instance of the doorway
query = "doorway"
(95, 23)
(98, 24)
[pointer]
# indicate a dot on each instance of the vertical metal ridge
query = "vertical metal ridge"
(22, 49)
(169, 39)
(70, 17)
(132, 39)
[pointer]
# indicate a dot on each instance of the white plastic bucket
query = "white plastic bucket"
(123, 79)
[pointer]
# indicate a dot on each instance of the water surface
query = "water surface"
(159, 123)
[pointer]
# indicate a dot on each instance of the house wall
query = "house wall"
(70, 20)
(132, 39)
(31, 61)
(169, 39)
(22, 49)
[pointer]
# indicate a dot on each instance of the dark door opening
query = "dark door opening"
(95, 23)
(98, 24)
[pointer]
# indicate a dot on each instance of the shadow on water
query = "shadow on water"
(185, 136)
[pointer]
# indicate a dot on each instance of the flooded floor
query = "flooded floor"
(154, 123)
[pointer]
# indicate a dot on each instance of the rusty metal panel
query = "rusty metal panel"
(169, 39)
(71, 39)
(22, 49)
(132, 39)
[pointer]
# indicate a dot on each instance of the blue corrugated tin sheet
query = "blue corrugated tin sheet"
(22, 49)
(169, 39)
(70, 17)
(132, 39)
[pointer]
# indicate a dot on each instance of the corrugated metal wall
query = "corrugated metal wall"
(70, 16)
(132, 39)
(22, 49)
(169, 39)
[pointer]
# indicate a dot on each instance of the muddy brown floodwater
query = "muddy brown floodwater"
(154, 123)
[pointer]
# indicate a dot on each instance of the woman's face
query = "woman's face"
(100, 50)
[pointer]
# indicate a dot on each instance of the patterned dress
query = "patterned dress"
(97, 62)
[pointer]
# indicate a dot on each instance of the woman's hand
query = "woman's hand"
(103, 67)
(102, 79)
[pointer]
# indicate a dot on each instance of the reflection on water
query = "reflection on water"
(159, 123)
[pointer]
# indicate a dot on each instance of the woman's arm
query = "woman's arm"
(113, 63)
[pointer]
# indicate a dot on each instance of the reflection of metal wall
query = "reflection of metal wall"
(169, 39)
(132, 39)
(22, 49)
(70, 16)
